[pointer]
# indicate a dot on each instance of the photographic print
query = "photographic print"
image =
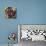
(31, 33)
(10, 12)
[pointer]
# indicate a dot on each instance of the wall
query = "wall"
(28, 12)
(31, 11)
(6, 25)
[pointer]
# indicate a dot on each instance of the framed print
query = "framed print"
(10, 12)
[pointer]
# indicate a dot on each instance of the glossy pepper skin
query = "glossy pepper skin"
(10, 12)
